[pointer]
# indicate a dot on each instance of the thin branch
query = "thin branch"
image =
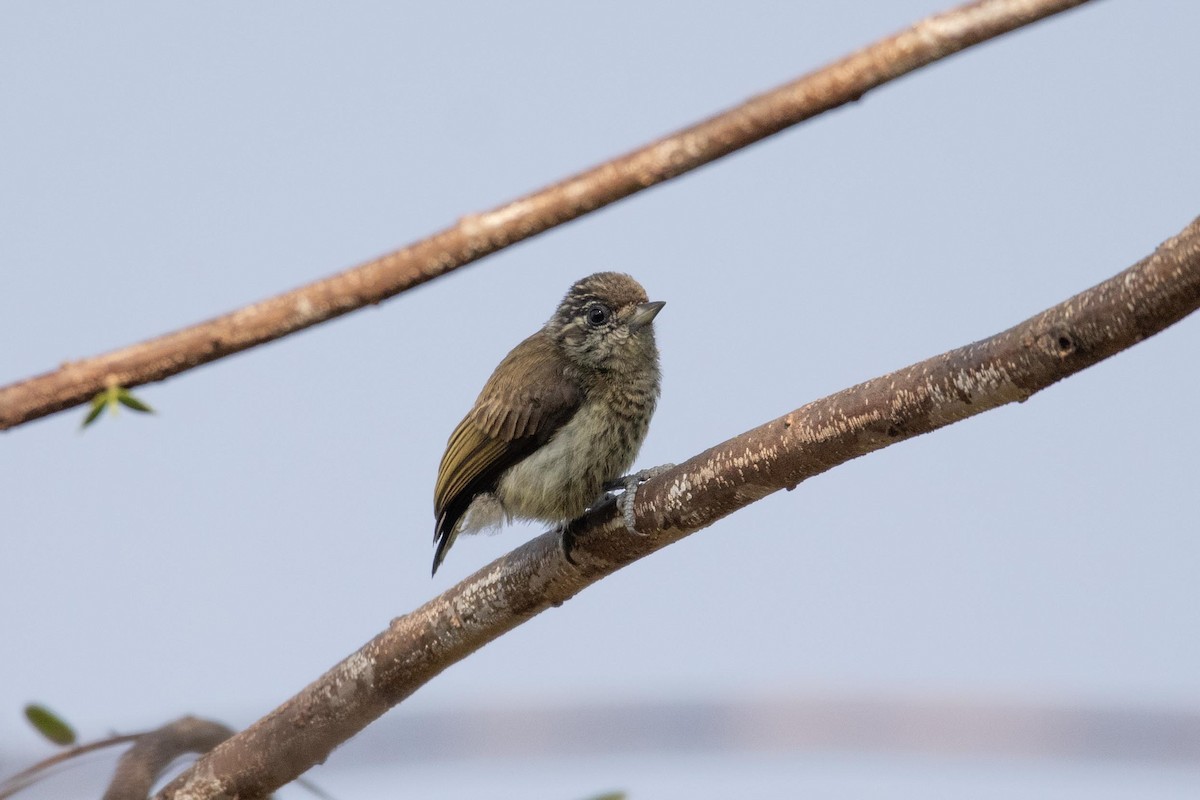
(479, 235)
(141, 765)
(1008, 367)
(31, 775)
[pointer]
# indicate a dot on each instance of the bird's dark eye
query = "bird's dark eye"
(597, 316)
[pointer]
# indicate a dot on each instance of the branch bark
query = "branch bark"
(1008, 367)
(479, 235)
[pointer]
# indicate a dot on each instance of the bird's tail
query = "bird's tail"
(445, 536)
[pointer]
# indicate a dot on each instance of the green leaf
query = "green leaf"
(129, 401)
(49, 724)
(98, 404)
(113, 398)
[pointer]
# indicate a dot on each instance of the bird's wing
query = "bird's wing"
(510, 420)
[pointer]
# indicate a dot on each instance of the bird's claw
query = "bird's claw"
(567, 538)
(630, 484)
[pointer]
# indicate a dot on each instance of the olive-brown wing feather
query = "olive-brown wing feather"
(528, 398)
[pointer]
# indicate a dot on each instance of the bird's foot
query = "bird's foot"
(567, 537)
(630, 484)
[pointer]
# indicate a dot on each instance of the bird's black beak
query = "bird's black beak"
(644, 314)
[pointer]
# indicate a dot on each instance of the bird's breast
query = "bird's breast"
(559, 480)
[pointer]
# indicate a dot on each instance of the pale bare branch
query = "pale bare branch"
(478, 235)
(1008, 367)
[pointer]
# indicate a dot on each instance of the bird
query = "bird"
(561, 418)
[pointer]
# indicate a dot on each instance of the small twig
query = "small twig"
(479, 235)
(27, 777)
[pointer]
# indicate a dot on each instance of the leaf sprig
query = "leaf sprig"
(111, 398)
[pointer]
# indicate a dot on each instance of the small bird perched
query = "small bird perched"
(563, 415)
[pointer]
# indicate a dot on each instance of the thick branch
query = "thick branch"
(1007, 367)
(476, 236)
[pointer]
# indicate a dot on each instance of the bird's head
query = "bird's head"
(604, 324)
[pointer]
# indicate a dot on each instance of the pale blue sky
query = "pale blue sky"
(164, 163)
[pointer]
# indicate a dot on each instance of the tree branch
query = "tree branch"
(141, 765)
(1008, 367)
(39, 771)
(479, 235)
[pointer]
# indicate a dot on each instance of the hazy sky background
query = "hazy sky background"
(165, 163)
